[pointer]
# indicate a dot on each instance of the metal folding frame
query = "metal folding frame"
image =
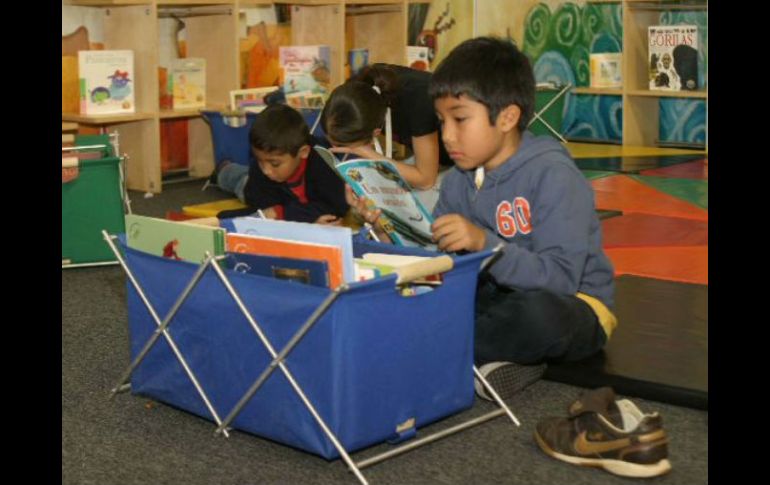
(278, 361)
(537, 115)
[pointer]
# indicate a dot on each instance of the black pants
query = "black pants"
(529, 327)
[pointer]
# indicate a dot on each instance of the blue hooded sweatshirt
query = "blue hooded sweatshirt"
(540, 205)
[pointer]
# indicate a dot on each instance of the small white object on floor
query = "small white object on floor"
(148, 195)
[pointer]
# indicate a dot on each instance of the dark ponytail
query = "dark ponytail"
(352, 112)
(382, 76)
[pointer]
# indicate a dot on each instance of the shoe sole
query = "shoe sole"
(617, 467)
(509, 380)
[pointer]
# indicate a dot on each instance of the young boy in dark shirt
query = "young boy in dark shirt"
(289, 179)
(548, 296)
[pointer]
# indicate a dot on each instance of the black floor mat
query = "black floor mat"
(659, 350)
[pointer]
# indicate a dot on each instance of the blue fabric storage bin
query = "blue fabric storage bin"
(372, 362)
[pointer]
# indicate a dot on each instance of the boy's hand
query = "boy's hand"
(329, 220)
(454, 232)
(361, 206)
(270, 213)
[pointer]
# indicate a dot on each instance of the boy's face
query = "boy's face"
(469, 138)
(279, 166)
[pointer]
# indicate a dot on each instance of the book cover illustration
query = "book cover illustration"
(305, 271)
(306, 68)
(417, 57)
(673, 57)
(175, 240)
(606, 69)
(405, 219)
(269, 246)
(106, 82)
(357, 60)
(342, 237)
(252, 99)
(188, 83)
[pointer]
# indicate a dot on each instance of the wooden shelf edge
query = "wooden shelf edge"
(598, 91)
(106, 119)
(667, 94)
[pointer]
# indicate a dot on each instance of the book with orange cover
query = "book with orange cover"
(242, 243)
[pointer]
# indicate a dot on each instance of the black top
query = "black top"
(412, 110)
(324, 189)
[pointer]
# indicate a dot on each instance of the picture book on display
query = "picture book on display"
(106, 82)
(305, 271)
(284, 248)
(605, 69)
(188, 83)
(417, 57)
(673, 57)
(172, 239)
(342, 237)
(305, 68)
(404, 218)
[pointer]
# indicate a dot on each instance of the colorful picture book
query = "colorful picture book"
(187, 79)
(174, 239)
(305, 271)
(605, 69)
(417, 57)
(106, 82)
(405, 219)
(305, 68)
(252, 99)
(673, 57)
(341, 237)
(267, 246)
(357, 60)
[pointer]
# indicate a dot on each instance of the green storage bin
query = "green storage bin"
(553, 115)
(92, 201)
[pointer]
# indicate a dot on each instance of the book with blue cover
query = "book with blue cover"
(341, 237)
(305, 271)
(404, 218)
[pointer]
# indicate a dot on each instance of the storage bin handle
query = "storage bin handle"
(420, 269)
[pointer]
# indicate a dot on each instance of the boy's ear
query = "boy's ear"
(509, 117)
(376, 132)
(304, 151)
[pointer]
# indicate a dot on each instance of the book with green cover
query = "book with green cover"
(174, 239)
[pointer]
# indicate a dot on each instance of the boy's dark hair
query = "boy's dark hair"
(491, 71)
(279, 128)
(355, 109)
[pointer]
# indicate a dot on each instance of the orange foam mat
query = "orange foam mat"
(623, 193)
(645, 230)
(698, 170)
(682, 264)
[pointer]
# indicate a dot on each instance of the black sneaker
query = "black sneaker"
(606, 433)
(214, 177)
(507, 378)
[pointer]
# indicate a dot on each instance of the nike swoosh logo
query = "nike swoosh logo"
(417, 219)
(585, 447)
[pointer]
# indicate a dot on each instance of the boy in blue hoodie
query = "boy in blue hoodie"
(548, 295)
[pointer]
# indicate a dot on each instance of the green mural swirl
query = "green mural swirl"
(578, 59)
(591, 22)
(566, 25)
(536, 31)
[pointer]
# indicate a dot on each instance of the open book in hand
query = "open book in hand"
(404, 218)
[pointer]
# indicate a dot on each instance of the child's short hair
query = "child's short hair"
(279, 128)
(352, 112)
(491, 71)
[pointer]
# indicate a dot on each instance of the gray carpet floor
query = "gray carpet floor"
(133, 440)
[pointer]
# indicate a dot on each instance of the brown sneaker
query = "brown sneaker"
(607, 433)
